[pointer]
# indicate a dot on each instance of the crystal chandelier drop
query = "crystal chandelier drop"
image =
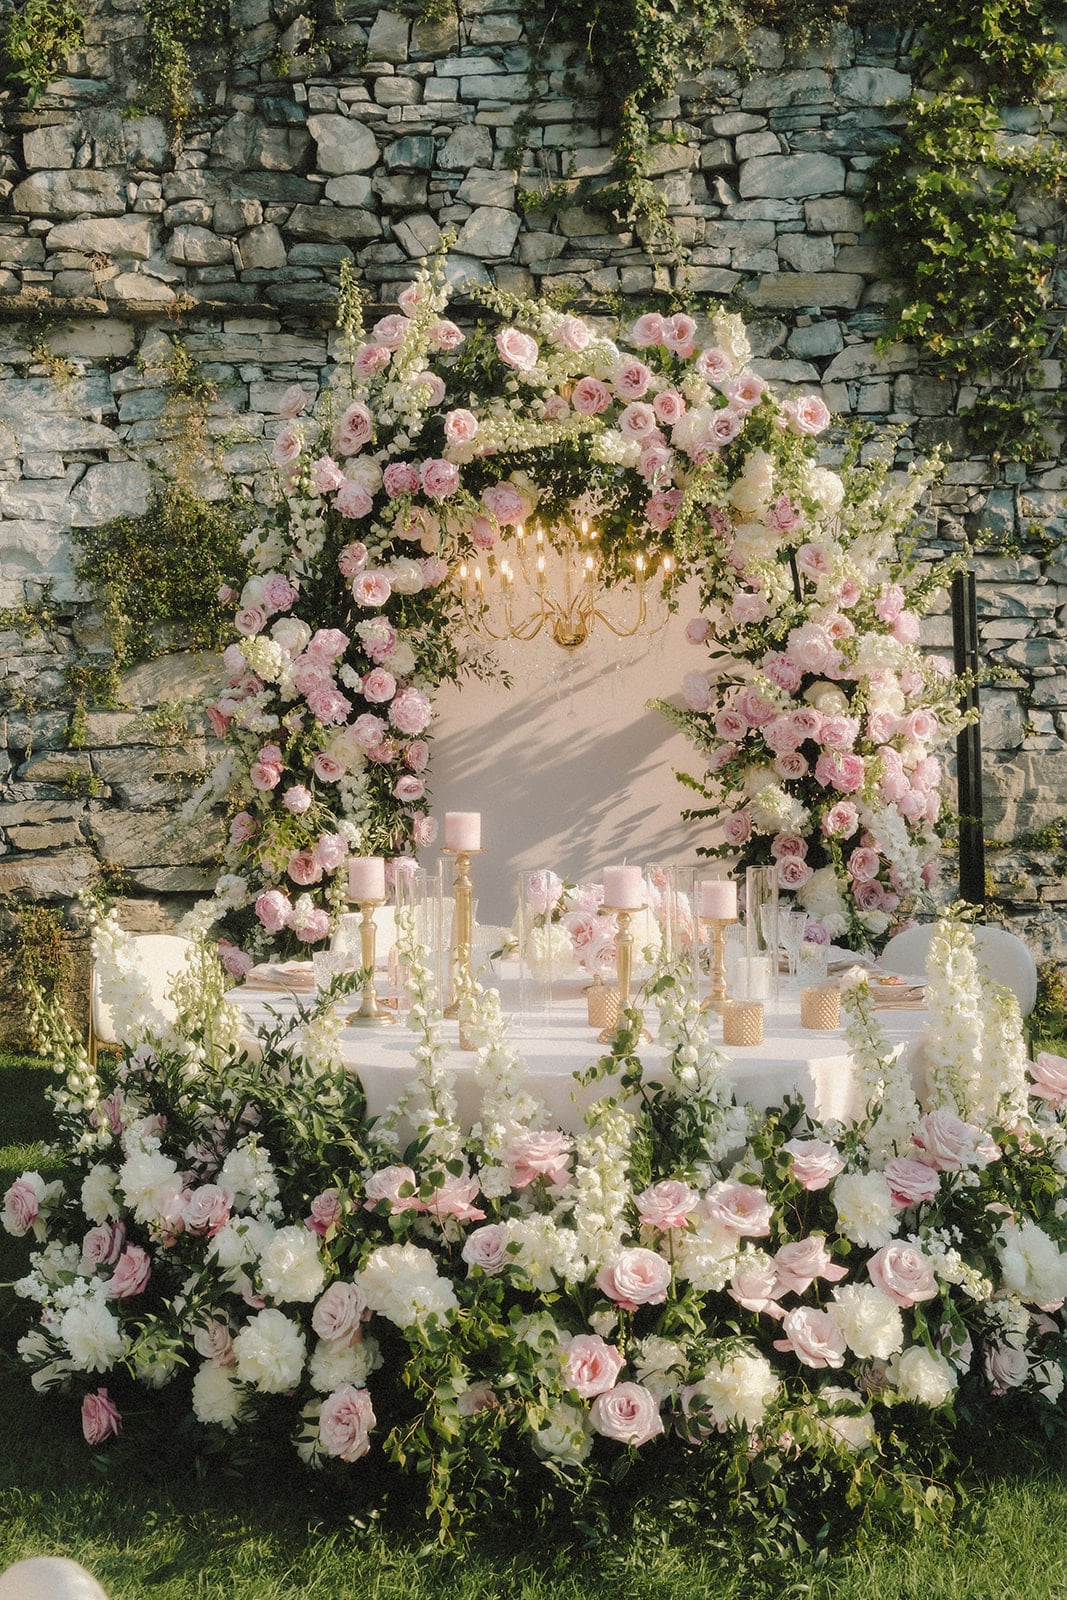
(533, 583)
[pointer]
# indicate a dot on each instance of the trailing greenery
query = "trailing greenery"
(36, 38)
(39, 967)
(159, 574)
(174, 28)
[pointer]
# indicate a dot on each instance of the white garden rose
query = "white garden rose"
(865, 1209)
(868, 1320)
(290, 1268)
(93, 1336)
(402, 1283)
(334, 1363)
(739, 1388)
(217, 1397)
(269, 1352)
(99, 1200)
(918, 1375)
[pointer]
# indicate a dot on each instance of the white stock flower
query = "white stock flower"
(290, 1267)
(99, 1201)
(545, 1252)
(217, 1397)
(401, 1282)
(269, 1352)
(248, 1174)
(239, 1241)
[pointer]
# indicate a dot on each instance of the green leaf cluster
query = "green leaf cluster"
(36, 38)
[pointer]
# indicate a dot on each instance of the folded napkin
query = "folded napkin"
(298, 977)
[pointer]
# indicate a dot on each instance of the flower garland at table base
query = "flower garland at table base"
(428, 447)
(683, 1288)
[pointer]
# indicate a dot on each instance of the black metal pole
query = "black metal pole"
(969, 742)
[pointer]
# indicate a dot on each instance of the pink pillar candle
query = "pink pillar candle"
(624, 888)
(463, 830)
(366, 878)
(718, 899)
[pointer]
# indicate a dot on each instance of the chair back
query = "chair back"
(160, 957)
(1001, 956)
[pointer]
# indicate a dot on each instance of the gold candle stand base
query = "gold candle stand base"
(624, 948)
(370, 1013)
(460, 978)
(717, 998)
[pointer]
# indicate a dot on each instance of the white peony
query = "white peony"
(825, 487)
(402, 1283)
(239, 1241)
(99, 1201)
(918, 1375)
(821, 898)
(705, 1257)
(290, 1268)
(148, 1180)
(739, 1388)
(334, 1363)
(217, 1397)
(660, 1365)
(865, 1210)
(1033, 1265)
(566, 1436)
(93, 1336)
(868, 1321)
(269, 1353)
(854, 1432)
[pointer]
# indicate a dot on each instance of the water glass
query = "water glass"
(811, 964)
(791, 926)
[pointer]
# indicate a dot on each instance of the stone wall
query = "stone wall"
(117, 236)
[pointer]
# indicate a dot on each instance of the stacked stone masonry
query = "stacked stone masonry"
(118, 235)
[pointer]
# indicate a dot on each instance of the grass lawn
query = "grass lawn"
(146, 1522)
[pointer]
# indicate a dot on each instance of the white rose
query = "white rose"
(269, 1353)
(290, 1267)
(827, 698)
(217, 1397)
(291, 634)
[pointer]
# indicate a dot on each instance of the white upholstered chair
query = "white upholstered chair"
(160, 958)
(1001, 955)
(48, 1578)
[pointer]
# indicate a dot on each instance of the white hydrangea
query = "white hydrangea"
(865, 1210)
(918, 1375)
(739, 1388)
(401, 1282)
(868, 1321)
(269, 1352)
(217, 1397)
(334, 1363)
(290, 1267)
(92, 1335)
(775, 811)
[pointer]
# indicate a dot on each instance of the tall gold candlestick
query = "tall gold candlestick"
(624, 951)
(370, 1013)
(717, 997)
(462, 941)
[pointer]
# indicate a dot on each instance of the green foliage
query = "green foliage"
(36, 38)
(1008, 45)
(39, 966)
(173, 28)
(164, 568)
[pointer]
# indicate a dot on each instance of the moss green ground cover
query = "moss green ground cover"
(161, 1518)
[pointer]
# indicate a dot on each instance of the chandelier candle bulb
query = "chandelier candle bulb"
(463, 830)
(366, 878)
(718, 899)
(624, 888)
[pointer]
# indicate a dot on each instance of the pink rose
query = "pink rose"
(631, 379)
(296, 801)
(791, 765)
(206, 1209)
(911, 1183)
(379, 686)
(813, 1337)
(756, 1286)
(725, 427)
(460, 426)
(889, 603)
(945, 1142)
(444, 335)
(662, 509)
(326, 767)
(355, 429)
(539, 1155)
(844, 772)
(439, 478)
(455, 1198)
(713, 364)
(809, 414)
(250, 620)
(655, 459)
(505, 503)
(487, 1248)
(592, 1365)
(408, 788)
(274, 910)
(903, 1273)
(555, 408)
(352, 559)
(647, 330)
(353, 500)
(330, 850)
(864, 864)
(417, 755)
(629, 1413)
(745, 391)
(411, 711)
(371, 588)
(431, 387)
(666, 1204)
(214, 1341)
(373, 358)
(21, 1207)
(325, 1213)
(390, 330)
(793, 873)
(679, 332)
(345, 1422)
(868, 896)
(813, 1163)
(293, 401)
(1006, 1367)
(1048, 1075)
(104, 1244)
(798, 1265)
(755, 709)
(669, 407)
(339, 1311)
(310, 924)
(841, 821)
(285, 451)
(424, 831)
(387, 1185)
(741, 1208)
(785, 516)
(737, 827)
(278, 592)
(571, 333)
(400, 477)
(516, 349)
(637, 421)
(698, 630)
(100, 1418)
(730, 724)
(326, 475)
(636, 1277)
(590, 397)
(132, 1272)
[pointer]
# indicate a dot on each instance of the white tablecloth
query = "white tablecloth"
(791, 1059)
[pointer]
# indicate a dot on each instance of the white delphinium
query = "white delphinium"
(430, 1101)
(891, 837)
(601, 1184)
(697, 1067)
(954, 1048)
(1000, 1090)
(883, 1079)
(507, 1107)
(940, 1246)
(122, 978)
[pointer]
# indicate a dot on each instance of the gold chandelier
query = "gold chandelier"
(533, 583)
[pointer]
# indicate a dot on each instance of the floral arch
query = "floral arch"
(815, 711)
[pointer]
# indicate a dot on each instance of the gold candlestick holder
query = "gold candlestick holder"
(624, 954)
(459, 961)
(370, 1013)
(717, 998)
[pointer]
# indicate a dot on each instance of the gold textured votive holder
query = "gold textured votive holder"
(820, 1008)
(742, 1022)
(602, 1004)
